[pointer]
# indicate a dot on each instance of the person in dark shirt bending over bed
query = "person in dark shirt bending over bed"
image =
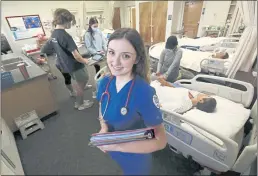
(201, 101)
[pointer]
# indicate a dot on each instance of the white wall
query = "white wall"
(96, 8)
(44, 10)
(126, 12)
(215, 14)
(177, 15)
(169, 23)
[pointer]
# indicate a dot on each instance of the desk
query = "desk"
(25, 95)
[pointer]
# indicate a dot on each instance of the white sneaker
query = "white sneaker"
(88, 86)
(72, 94)
(86, 104)
(76, 105)
(94, 94)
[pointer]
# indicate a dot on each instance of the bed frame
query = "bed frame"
(233, 94)
(213, 66)
(211, 155)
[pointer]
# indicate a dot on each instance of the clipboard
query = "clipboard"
(97, 57)
(98, 139)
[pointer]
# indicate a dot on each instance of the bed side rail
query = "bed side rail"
(192, 48)
(229, 146)
(103, 70)
(214, 65)
(249, 153)
(220, 86)
(230, 51)
(229, 44)
(231, 39)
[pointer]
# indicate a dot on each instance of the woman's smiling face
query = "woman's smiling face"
(121, 56)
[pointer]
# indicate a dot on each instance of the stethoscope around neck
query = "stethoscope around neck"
(124, 109)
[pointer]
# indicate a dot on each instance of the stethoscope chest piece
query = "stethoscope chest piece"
(123, 110)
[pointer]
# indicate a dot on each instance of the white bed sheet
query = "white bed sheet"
(228, 118)
(156, 51)
(203, 41)
(192, 59)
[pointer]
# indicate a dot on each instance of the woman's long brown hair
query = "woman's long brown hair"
(142, 66)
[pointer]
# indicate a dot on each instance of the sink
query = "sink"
(13, 60)
(11, 64)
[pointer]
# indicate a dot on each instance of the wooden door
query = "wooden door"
(159, 17)
(145, 21)
(133, 18)
(116, 19)
(192, 14)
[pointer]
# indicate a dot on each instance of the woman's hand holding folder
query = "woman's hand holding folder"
(104, 129)
(103, 125)
(132, 141)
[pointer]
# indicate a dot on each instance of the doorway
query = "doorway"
(116, 22)
(133, 17)
(192, 15)
(152, 19)
(145, 21)
(159, 17)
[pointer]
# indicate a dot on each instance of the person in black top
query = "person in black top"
(47, 48)
(69, 61)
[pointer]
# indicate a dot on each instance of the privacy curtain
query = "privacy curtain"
(246, 51)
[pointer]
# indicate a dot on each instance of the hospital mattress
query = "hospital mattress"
(193, 59)
(227, 120)
(202, 41)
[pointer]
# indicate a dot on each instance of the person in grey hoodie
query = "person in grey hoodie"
(95, 41)
(169, 62)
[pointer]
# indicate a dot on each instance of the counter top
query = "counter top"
(34, 70)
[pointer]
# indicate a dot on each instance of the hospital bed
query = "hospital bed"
(196, 44)
(198, 61)
(214, 140)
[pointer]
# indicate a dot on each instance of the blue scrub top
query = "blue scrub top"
(143, 111)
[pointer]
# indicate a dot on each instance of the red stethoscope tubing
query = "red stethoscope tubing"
(108, 95)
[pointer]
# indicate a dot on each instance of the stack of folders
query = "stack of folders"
(99, 139)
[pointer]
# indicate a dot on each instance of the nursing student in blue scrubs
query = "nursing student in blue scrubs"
(133, 103)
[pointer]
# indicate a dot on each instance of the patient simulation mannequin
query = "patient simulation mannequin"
(189, 99)
(220, 55)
